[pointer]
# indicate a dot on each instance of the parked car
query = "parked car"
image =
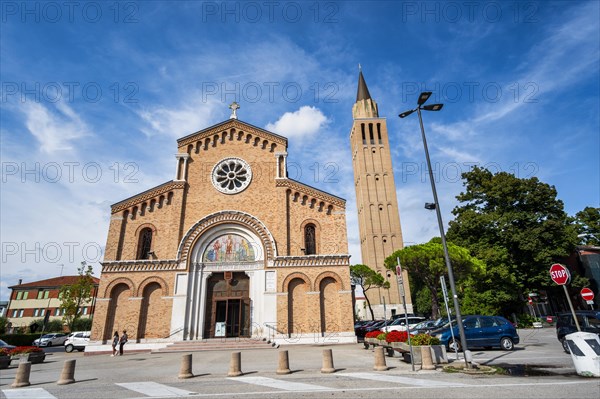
(424, 327)
(399, 324)
(50, 339)
(5, 345)
(77, 340)
(589, 321)
(362, 330)
(480, 331)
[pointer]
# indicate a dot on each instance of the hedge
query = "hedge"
(19, 339)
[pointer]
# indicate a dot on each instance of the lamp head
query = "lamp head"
(433, 107)
(406, 113)
(424, 97)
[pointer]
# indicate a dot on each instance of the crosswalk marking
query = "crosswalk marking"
(280, 384)
(401, 380)
(27, 393)
(154, 389)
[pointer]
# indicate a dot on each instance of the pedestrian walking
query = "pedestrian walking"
(115, 342)
(122, 342)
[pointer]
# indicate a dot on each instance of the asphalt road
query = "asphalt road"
(538, 369)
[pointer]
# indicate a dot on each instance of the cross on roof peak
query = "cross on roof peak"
(234, 107)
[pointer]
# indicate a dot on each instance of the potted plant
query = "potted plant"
(32, 354)
(397, 339)
(396, 336)
(4, 358)
(438, 352)
(424, 340)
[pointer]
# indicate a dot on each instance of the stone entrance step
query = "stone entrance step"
(217, 344)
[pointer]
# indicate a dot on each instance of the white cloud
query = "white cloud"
(180, 120)
(55, 131)
(302, 123)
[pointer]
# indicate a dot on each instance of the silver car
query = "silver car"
(6, 346)
(51, 339)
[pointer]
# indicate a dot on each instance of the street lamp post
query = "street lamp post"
(436, 107)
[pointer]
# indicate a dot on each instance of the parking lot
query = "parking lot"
(538, 367)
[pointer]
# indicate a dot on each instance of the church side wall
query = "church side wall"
(330, 229)
(307, 318)
(164, 221)
(127, 314)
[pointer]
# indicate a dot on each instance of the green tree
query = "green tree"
(516, 226)
(76, 295)
(52, 325)
(3, 324)
(588, 225)
(368, 278)
(82, 324)
(426, 263)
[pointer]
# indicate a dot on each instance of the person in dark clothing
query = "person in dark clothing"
(122, 342)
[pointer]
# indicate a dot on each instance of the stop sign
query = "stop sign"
(587, 294)
(559, 274)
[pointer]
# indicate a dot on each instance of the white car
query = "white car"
(77, 340)
(399, 324)
(50, 339)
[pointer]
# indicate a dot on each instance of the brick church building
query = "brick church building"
(231, 247)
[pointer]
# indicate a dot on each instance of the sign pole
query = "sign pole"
(561, 276)
(445, 293)
(402, 294)
(571, 306)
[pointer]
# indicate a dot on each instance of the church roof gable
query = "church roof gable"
(231, 124)
(139, 198)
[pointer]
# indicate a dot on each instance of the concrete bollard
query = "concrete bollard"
(426, 359)
(380, 360)
(235, 368)
(284, 363)
(68, 373)
(327, 362)
(186, 367)
(22, 377)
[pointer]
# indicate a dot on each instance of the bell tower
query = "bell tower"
(376, 202)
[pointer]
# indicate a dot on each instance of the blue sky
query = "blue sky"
(94, 95)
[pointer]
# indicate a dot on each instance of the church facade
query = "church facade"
(231, 247)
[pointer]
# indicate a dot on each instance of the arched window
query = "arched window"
(310, 240)
(145, 243)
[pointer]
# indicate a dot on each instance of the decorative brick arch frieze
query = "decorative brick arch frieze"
(150, 280)
(324, 275)
(121, 280)
(289, 278)
(244, 219)
(232, 130)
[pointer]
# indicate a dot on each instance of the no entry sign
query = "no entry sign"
(587, 294)
(559, 274)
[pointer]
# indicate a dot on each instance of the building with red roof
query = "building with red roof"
(31, 301)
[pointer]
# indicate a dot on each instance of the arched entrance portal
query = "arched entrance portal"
(228, 305)
(226, 271)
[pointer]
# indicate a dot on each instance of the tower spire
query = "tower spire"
(363, 91)
(365, 106)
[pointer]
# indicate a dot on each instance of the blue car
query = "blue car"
(480, 331)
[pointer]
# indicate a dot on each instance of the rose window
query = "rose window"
(231, 175)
